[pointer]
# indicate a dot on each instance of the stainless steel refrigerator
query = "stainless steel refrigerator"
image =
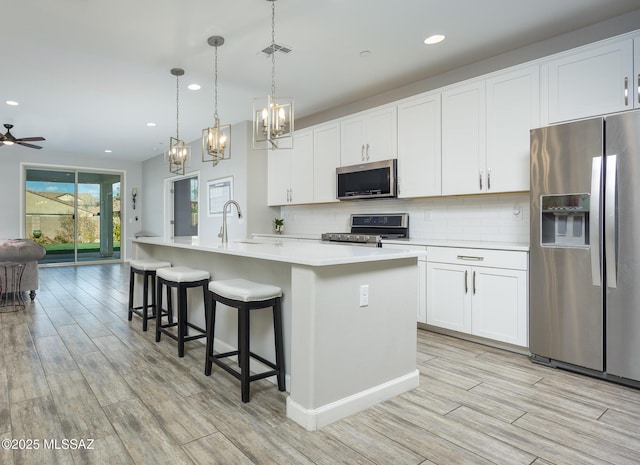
(584, 307)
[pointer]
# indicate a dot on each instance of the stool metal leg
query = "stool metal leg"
(210, 309)
(277, 329)
(145, 299)
(243, 347)
(182, 318)
(159, 311)
(131, 282)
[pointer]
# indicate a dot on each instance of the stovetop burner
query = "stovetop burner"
(371, 229)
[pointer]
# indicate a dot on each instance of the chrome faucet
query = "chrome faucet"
(223, 229)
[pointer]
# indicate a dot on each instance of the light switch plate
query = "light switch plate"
(364, 295)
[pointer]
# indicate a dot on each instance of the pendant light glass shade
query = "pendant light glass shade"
(273, 117)
(273, 122)
(216, 140)
(178, 155)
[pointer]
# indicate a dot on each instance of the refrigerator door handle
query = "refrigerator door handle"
(610, 220)
(594, 220)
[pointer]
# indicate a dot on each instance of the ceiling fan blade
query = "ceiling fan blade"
(31, 146)
(30, 139)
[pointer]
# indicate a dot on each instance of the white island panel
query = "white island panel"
(346, 357)
(340, 357)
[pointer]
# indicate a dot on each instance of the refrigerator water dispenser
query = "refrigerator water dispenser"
(565, 220)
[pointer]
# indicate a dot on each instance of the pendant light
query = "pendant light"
(216, 140)
(273, 118)
(179, 153)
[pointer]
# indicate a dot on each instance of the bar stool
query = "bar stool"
(182, 278)
(245, 296)
(146, 268)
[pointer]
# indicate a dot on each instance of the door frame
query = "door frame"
(167, 195)
(24, 166)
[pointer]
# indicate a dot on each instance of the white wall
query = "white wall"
(249, 170)
(465, 218)
(12, 161)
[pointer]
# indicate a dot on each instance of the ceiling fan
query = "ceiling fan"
(9, 139)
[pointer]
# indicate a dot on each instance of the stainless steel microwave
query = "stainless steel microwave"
(367, 180)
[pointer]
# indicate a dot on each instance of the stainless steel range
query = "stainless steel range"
(371, 229)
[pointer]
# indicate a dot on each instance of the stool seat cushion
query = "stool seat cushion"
(148, 265)
(244, 291)
(182, 274)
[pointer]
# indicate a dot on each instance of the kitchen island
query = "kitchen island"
(343, 351)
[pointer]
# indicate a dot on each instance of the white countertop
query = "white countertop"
(301, 253)
(513, 246)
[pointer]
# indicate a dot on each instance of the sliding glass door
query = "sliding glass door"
(74, 214)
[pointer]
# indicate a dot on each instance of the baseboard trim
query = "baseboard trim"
(314, 419)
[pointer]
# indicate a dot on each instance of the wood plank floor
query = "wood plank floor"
(73, 367)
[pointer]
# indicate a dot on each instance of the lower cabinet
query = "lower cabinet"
(479, 292)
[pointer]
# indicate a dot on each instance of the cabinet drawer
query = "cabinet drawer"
(479, 257)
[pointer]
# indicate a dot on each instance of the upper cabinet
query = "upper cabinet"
(485, 132)
(467, 138)
(513, 108)
(326, 158)
(369, 136)
(591, 81)
(419, 147)
(636, 72)
(464, 139)
(291, 172)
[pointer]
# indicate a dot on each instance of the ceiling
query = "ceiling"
(90, 74)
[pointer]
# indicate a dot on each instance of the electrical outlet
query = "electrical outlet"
(364, 295)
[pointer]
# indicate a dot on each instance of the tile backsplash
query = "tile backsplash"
(494, 218)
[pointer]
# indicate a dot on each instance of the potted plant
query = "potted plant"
(278, 225)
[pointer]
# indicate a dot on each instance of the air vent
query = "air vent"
(278, 48)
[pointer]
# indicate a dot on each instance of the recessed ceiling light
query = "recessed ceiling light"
(151, 124)
(13, 103)
(365, 53)
(193, 87)
(434, 39)
(107, 151)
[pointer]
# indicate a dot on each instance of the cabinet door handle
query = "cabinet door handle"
(626, 91)
(474, 283)
(466, 288)
(480, 178)
(489, 179)
(470, 258)
(367, 151)
(362, 153)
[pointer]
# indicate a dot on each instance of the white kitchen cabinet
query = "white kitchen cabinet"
(479, 292)
(326, 158)
(636, 73)
(419, 146)
(464, 139)
(590, 81)
(290, 172)
(513, 109)
(448, 298)
(279, 168)
(369, 136)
